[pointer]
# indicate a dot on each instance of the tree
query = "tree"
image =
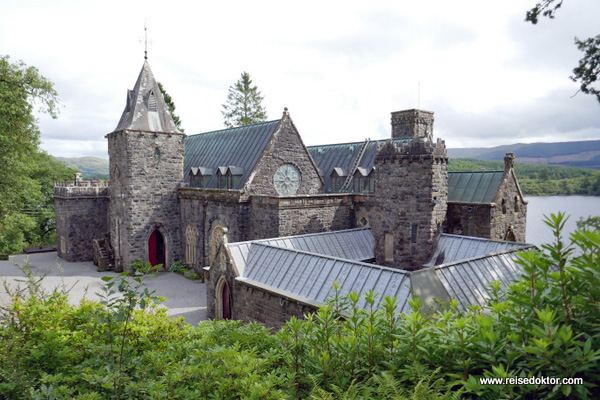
(244, 104)
(171, 107)
(25, 197)
(588, 70)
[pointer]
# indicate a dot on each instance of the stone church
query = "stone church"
(258, 211)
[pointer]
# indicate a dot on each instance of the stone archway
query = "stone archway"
(222, 299)
(157, 248)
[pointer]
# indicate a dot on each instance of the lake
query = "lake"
(574, 206)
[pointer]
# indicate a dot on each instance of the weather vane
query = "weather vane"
(145, 41)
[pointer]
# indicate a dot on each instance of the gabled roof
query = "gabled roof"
(453, 248)
(239, 147)
(304, 268)
(145, 108)
(350, 244)
(468, 280)
(474, 187)
(344, 155)
(310, 277)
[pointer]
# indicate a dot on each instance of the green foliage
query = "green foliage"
(545, 325)
(244, 104)
(539, 179)
(171, 107)
(177, 267)
(589, 223)
(26, 204)
(588, 70)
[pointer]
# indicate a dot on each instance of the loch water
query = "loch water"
(573, 206)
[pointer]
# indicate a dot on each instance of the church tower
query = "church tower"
(146, 167)
(412, 192)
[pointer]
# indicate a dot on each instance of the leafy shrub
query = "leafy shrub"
(191, 274)
(178, 267)
(546, 324)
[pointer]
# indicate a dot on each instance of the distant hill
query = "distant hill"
(583, 154)
(90, 167)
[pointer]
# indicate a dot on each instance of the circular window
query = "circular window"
(286, 180)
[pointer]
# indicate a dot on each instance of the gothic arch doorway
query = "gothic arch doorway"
(156, 248)
(223, 300)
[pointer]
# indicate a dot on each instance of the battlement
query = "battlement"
(81, 188)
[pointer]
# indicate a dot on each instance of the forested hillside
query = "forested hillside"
(540, 180)
(585, 154)
(90, 167)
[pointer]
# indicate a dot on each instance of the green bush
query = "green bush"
(545, 325)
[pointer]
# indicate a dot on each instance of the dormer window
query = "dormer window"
(151, 101)
(200, 176)
(338, 177)
(363, 180)
(229, 177)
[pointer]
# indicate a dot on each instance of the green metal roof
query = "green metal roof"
(474, 187)
(342, 155)
(239, 147)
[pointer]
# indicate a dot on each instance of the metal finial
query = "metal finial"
(145, 41)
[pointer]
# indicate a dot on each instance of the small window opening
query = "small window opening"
(388, 247)
(413, 233)
(156, 155)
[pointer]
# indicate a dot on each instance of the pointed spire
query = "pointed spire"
(146, 109)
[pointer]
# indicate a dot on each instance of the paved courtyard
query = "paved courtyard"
(185, 298)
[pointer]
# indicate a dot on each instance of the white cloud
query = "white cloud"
(340, 67)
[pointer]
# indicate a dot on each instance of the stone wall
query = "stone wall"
(410, 202)
(267, 307)
(81, 210)
(469, 219)
(297, 215)
(146, 169)
(411, 124)
(249, 302)
(286, 147)
(503, 219)
(206, 209)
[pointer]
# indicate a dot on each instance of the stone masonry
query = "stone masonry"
(146, 169)
(81, 209)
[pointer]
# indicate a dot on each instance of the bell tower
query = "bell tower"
(411, 193)
(146, 167)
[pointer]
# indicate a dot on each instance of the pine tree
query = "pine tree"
(244, 104)
(171, 107)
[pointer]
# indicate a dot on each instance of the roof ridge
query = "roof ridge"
(236, 128)
(382, 267)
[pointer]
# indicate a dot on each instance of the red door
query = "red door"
(156, 249)
(226, 305)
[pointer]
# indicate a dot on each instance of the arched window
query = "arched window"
(191, 254)
(217, 240)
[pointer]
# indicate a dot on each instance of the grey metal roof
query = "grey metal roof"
(453, 248)
(239, 147)
(306, 266)
(350, 244)
(474, 187)
(468, 281)
(343, 155)
(311, 276)
(145, 108)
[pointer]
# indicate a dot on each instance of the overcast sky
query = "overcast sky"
(340, 67)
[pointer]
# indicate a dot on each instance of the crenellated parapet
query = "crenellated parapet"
(81, 189)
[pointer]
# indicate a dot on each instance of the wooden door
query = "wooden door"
(225, 302)
(156, 248)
